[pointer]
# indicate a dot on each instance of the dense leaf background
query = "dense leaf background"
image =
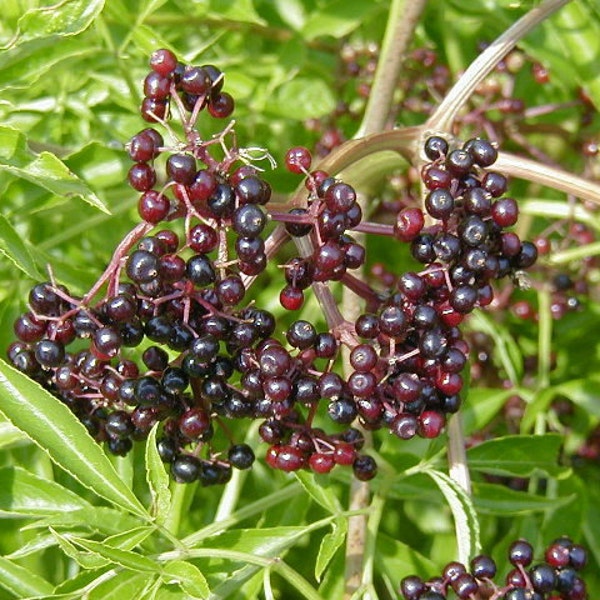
(77, 521)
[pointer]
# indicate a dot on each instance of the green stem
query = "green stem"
(457, 455)
(402, 20)
(445, 114)
(178, 501)
(375, 514)
(531, 170)
(283, 495)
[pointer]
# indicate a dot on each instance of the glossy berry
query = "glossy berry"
(364, 467)
(185, 468)
(520, 552)
(163, 62)
(241, 456)
(298, 159)
(435, 147)
(141, 177)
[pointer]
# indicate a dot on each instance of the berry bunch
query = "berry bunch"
(167, 335)
(554, 578)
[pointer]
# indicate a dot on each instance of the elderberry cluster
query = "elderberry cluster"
(556, 577)
(167, 335)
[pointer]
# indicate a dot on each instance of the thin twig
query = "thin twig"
(445, 114)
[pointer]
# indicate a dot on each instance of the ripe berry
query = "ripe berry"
(185, 468)
(153, 207)
(439, 204)
(141, 177)
(248, 220)
(409, 223)
(181, 168)
(163, 62)
(435, 147)
(241, 456)
(321, 463)
(221, 105)
(520, 552)
(49, 353)
(291, 298)
(298, 159)
(364, 467)
(431, 423)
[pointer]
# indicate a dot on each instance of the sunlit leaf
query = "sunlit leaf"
(50, 424)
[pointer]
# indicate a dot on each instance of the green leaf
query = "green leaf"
(311, 98)
(44, 169)
(517, 455)
(337, 19)
(399, 559)
(22, 582)
(14, 247)
(25, 64)
(124, 558)
(500, 500)
(506, 347)
(158, 480)
(330, 545)
(108, 521)
(25, 494)
(187, 576)
(583, 392)
(51, 425)
(463, 512)
(320, 491)
(577, 34)
(124, 585)
(127, 540)
(240, 10)
(68, 17)
(11, 436)
(86, 560)
(268, 541)
(481, 406)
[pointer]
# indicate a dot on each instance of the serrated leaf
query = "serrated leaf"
(101, 519)
(22, 582)
(49, 172)
(124, 558)
(311, 98)
(463, 512)
(25, 494)
(330, 544)
(14, 247)
(124, 585)
(158, 480)
(42, 541)
(320, 491)
(128, 540)
(267, 541)
(11, 436)
(187, 576)
(500, 500)
(518, 455)
(65, 18)
(53, 427)
(25, 64)
(85, 559)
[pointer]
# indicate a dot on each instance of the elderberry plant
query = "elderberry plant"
(367, 309)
